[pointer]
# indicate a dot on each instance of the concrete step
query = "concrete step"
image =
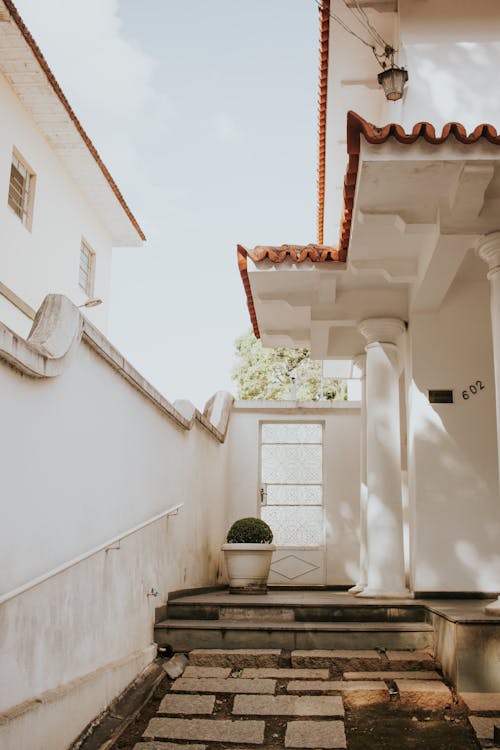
(185, 635)
(179, 609)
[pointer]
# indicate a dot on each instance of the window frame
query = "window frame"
(86, 248)
(25, 215)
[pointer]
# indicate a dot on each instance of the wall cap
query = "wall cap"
(295, 407)
(57, 331)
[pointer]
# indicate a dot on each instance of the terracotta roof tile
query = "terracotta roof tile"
(297, 253)
(324, 36)
(243, 267)
(59, 93)
(357, 126)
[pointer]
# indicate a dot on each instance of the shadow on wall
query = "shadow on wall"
(438, 94)
(343, 538)
(457, 509)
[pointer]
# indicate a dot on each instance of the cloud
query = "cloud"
(106, 77)
(226, 129)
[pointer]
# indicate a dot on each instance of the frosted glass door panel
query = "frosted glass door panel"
(295, 527)
(291, 433)
(294, 494)
(292, 464)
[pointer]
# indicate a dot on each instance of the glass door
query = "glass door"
(291, 499)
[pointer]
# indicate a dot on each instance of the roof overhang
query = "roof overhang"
(286, 257)
(414, 205)
(422, 200)
(25, 68)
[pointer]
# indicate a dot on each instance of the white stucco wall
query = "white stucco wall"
(96, 459)
(46, 259)
(86, 457)
(352, 85)
(452, 447)
(451, 49)
(340, 473)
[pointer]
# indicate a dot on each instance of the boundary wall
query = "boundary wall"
(90, 450)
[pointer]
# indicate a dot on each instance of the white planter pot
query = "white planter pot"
(248, 567)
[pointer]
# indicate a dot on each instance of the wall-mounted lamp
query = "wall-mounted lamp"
(393, 81)
(92, 302)
(392, 77)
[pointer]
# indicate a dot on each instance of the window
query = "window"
(21, 189)
(86, 270)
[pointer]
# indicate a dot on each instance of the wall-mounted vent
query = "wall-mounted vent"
(441, 397)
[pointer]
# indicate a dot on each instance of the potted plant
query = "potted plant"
(248, 552)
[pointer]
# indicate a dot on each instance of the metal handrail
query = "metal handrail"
(71, 563)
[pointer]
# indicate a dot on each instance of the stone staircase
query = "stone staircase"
(282, 621)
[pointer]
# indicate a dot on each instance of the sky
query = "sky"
(205, 112)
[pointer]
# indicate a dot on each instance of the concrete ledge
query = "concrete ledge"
(469, 653)
(17, 301)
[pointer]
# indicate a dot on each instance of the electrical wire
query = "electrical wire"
(377, 39)
(355, 12)
(363, 18)
(342, 23)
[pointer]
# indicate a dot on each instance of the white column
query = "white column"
(489, 250)
(359, 361)
(384, 513)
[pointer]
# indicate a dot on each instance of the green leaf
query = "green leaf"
(265, 374)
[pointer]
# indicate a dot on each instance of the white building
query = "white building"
(61, 213)
(113, 498)
(411, 289)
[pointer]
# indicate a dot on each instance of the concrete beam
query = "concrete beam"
(394, 270)
(466, 198)
(440, 271)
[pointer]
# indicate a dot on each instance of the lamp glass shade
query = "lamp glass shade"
(393, 82)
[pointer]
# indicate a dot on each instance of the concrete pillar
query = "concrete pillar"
(384, 513)
(359, 362)
(488, 250)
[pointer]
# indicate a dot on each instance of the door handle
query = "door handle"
(263, 496)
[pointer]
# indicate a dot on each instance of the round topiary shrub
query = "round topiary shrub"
(250, 531)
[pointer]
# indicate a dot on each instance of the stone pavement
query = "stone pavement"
(485, 717)
(231, 699)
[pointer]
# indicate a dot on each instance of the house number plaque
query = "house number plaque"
(473, 389)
